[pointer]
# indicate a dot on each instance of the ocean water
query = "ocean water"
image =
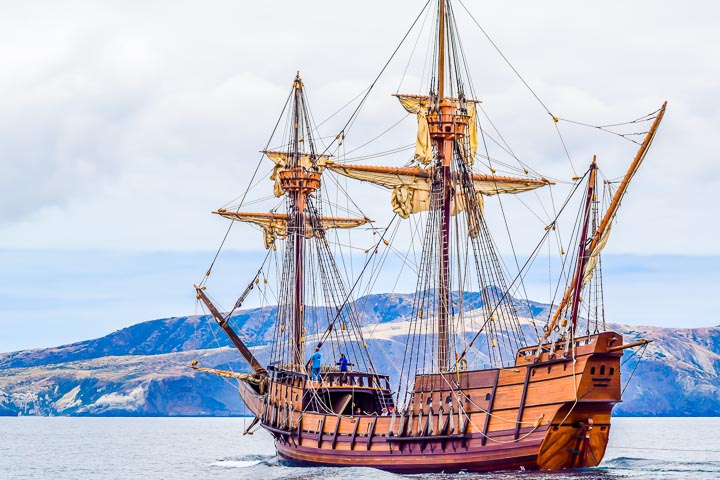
(214, 448)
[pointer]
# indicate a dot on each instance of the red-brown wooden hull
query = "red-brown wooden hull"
(415, 458)
(546, 412)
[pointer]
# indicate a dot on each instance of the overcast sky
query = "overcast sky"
(123, 124)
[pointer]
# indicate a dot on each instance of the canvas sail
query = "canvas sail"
(419, 105)
(275, 225)
(412, 186)
(306, 161)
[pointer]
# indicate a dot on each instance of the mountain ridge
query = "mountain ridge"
(143, 369)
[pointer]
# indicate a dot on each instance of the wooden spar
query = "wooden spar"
(427, 174)
(296, 230)
(328, 222)
(582, 248)
(223, 322)
(610, 213)
(441, 50)
(250, 427)
(224, 373)
(629, 345)
(620, 193)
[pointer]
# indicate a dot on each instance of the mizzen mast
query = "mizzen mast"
(583, 247)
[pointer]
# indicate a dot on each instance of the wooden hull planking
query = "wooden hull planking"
(546, 412)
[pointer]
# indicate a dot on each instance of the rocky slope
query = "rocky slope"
(678, 376)
(143, 369)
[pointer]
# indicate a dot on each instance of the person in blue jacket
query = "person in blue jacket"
(316, 361)
(343, 362)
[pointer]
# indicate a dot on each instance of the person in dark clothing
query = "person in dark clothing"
(343, 362)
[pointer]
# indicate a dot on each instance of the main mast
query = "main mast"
(441, 50)
(445, 127)
(443, 183)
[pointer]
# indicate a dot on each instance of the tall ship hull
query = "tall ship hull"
(546, 400)
(542, 413)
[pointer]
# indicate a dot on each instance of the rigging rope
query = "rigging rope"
(349, 294)
(252, 179)
(637, 364)
(345, 128)
(606, 128)
(512, 67)
(533, 254)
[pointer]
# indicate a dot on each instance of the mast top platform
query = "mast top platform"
(299, 179)
(448, 122)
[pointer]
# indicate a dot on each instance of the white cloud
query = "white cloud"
(122, 126)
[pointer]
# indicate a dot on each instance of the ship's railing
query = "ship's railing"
(490, 366)
(356, 379)
(557, 348)
(473, 367)
(331, 378)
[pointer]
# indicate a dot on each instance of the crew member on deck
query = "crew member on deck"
(316, 360)
(343, 362)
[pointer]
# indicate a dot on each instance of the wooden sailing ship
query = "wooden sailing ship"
(545, 405)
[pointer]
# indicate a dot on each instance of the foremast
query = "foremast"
(297, 177)
(298, 183)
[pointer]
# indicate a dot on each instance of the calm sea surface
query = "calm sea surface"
(214, 448)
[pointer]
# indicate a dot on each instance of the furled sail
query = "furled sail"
(275, 225)
(420, 105)
(316, 163)
(412, 186)
(594, 256)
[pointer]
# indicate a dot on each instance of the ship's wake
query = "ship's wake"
(648, 465)
(245, 461)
